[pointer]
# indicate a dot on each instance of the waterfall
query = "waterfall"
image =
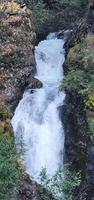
(37, 126)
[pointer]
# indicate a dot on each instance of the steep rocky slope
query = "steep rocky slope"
(17, 68)
(79, 107)
(17, 62)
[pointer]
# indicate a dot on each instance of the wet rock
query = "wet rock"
(30, 190)
(84, 26)
(35, 83)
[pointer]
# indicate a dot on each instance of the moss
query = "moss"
(28, 12)
(90, 102)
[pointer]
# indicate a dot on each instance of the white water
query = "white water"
(36, 122)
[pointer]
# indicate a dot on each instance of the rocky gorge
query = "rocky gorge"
(17, 69)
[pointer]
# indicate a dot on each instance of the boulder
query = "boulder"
(35, 83)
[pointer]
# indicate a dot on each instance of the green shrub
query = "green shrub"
(9, 174)
(80, 77)
(41, 15)
(63, 4)
(73, 81)
(61, 184)
(89, 102)
(53, 11)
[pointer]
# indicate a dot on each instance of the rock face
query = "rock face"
(79, 142)
(17, 68)
(84, 26)
(30, 190)
(17, 62)
(34, 83)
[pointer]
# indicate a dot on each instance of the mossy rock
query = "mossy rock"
(28, 12)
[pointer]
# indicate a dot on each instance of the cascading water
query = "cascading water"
(37, 125)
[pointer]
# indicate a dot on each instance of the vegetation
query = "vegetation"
(62, 183)
(41, 15)
(72, 82)
(46, 13)
(9, 174)
(71, 4)
(90, 117)
(80, 77)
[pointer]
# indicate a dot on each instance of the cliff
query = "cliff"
(17, 68)
(79, 106)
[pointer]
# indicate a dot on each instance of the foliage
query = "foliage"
(9, 175)
(61, 184)
(80, 76)
(91, 125)
(47, 12)
(67, 10)
(28, 12)
(90, 102)
(41, 14)
(72, 4)
(73, 81)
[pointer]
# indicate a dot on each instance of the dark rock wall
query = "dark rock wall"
(79, 149)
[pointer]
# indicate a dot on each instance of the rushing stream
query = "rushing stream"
(38, 129)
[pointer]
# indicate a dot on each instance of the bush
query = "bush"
(9, 175)
(41, 15)
(72, 4)
(62, 184)
(80, 77)
(73, 81)
(46, 13)
(90, 102)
